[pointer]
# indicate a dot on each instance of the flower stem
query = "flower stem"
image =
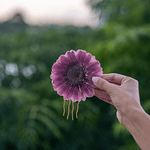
(64, 107)
(69, 109)
(77, 110)
(72, 109)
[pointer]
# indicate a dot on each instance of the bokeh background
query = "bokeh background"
(116, 32)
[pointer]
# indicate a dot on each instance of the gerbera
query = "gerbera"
(72, 77)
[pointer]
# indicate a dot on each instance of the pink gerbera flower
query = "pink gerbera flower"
(72, 76)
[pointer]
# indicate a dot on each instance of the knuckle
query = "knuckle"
(136, 81)
(133, 80)
(129, 78)
(113, 77)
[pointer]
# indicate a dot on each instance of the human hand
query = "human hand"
(120, 91)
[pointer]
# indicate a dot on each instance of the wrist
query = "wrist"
(133, 120)
(132, 116)
(137, 122)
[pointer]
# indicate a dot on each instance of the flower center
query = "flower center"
(76, 75)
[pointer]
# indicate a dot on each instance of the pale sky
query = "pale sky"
(50, 11)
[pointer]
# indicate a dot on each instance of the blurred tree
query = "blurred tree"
(31, 112)
(13, 24)
(127, 12)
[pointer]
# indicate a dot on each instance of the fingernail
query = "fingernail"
(95, 79)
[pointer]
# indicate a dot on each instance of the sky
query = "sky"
(39, 12)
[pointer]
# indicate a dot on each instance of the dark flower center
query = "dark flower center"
(76, 75)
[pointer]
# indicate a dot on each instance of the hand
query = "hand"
(120, 91)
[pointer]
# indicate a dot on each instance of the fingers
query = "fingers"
(104, 85)
(102, 95)
(114, 78)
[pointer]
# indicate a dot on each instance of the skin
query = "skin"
(123, 92)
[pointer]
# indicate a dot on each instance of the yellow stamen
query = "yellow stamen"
(77, 110)
(80, 89)
(72, 109)
(89, 84)
(69, 109)
(64, 107)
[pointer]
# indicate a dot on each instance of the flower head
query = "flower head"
(72, 75)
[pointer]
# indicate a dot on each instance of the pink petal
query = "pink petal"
(76, 96)
(81, 55)
(94, 64)
(93, 58)
(56, 87)
(71, 56)
(52, 76)
(90, 82)
(93, 70)
(58, 81)
(97, 73)
(63, 89)
(87, 59)
(63, 59)
(59, 72)
(82, 95)
(69, 93)
(88, 90)
(93, 67)
(58, 67)
(90, 64)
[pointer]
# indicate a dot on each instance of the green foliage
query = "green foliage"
(127, 12)
(31, 111)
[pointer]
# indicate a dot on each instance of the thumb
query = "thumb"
(103, 84)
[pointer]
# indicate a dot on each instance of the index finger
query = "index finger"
(114, 78)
